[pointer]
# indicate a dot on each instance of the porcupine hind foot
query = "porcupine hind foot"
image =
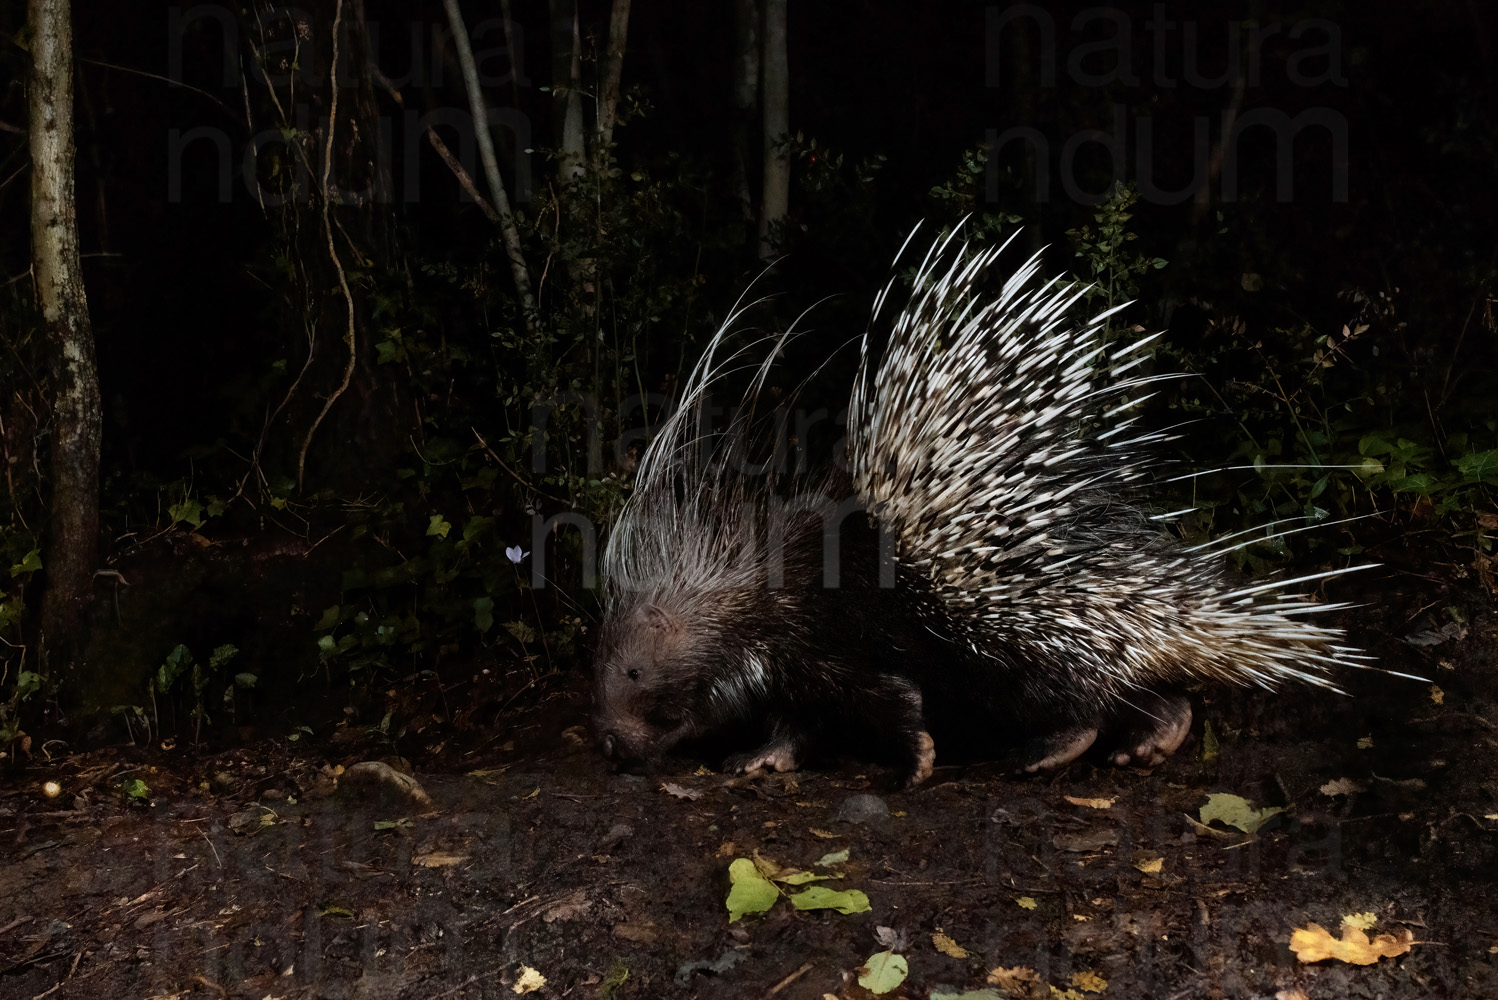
(1152, 728)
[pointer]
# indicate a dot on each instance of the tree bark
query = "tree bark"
(777, 97)
(608, 98)
(745, 100)
(76, 420)
(480, 112)
(567, 83)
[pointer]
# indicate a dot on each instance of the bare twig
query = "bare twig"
(350, 336)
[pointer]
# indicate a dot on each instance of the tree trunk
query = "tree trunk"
(745, 100)
(567, 68)
(613, 69)
(70, 559)
(777, 97)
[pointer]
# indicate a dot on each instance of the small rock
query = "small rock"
(862, 808)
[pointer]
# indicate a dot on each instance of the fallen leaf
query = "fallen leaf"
(1437, 696)
(1089, 981)
(1026, 902)
(1314, 943)
(1016, 980)
(1235, 811)
(947, 946)
(681, 792)
(1362, 921)
(438, 859)
(824, 834)
(1085, 841)
(1150, 866)
(1091, 803)
(835, 858)
(1365, 743)
(883, 972)
(750, 892)
(641, 933)
(1342, 786)
(819, 897)
(530, 980)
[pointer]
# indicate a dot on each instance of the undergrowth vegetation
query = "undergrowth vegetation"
(453, 499)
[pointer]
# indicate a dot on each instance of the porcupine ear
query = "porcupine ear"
(662, 620)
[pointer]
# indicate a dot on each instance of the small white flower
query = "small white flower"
(515, 554)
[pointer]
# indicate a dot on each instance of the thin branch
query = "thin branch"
(491, 166)
(350, 336)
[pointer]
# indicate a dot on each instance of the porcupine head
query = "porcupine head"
(673, 663)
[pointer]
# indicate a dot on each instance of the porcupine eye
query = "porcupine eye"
(633, 673)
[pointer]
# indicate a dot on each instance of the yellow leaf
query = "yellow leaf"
(1091, 803)
(1089, 981)
(1151, 866)
(1362, 921)
(1026, 902)
(1314, 943)
(530, 980)
(1437, 696)
(947, 946)
(1017, 980)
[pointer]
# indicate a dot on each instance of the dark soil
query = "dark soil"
(261, 872)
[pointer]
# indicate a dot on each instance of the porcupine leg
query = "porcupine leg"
(780, 752)
(1155, 725)
(896, 707)
(1150, 729)
(1061, 747)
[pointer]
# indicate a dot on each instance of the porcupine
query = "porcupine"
(988, 444)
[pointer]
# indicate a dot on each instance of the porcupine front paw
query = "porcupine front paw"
(781, 753)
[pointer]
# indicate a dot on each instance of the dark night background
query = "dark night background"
(1339, 332)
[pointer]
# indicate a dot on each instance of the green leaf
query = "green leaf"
(30, 563)
(819, 897)
(883, 971)
(438, 526)
(1479, 466)
(137, 789)
(835, 858)
(222, 655)
(483, 613)
(188, 510)
(177, 662)
(750, 891)
(328, 620)
(1235, 811)
(245, 680)
(28, 682)
(521, 631)
(1420, 483)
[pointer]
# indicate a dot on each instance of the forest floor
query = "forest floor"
(280, 870)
